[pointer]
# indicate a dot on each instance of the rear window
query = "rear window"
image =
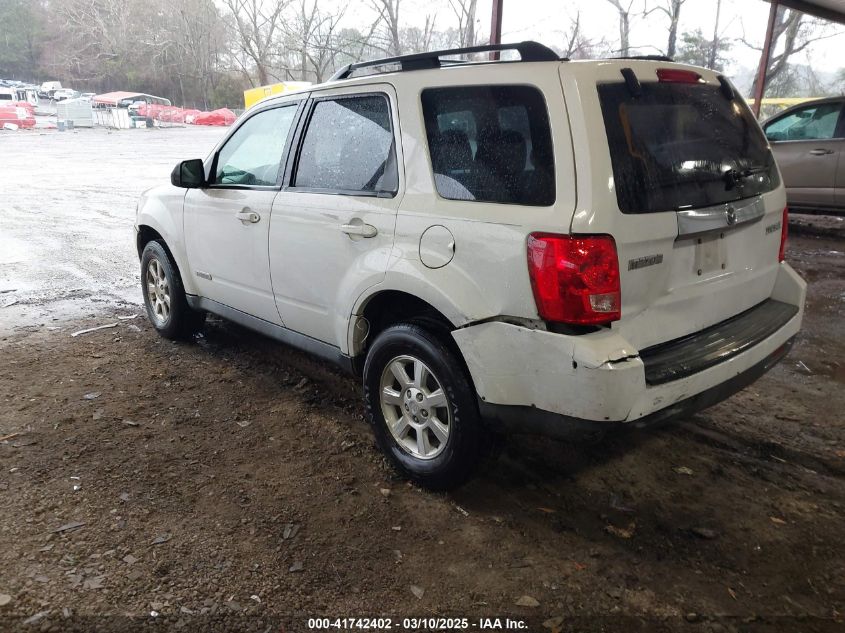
(490, 144)
(683, 146)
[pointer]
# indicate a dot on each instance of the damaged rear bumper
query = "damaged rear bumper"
(530, 420)
(535, 381)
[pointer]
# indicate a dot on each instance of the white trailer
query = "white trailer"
(75, 112)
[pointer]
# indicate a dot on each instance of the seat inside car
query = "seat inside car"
(452, 153)
(503, 152)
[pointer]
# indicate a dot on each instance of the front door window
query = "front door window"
(813, 123)
(253, 154)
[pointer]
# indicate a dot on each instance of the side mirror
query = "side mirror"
(189, 174)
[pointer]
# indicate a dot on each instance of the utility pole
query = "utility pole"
(765, 58)
(496, 26)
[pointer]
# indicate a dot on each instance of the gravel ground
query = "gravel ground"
(66, 247)
(231, 483)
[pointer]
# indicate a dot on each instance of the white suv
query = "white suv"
(534, 245)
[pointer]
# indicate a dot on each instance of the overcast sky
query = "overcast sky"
(548, 20)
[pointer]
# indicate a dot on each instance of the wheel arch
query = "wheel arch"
(145, 235)
(385, 306)
(453, 301)
(148, 231)
(389, 306)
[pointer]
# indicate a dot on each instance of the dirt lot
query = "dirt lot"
(232, 484)
(235, 478)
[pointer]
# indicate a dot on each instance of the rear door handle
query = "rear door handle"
(248, 216)
(360, 229)
(821, 152)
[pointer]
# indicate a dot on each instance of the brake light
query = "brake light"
(678, 76)
(784, 229)
(575, 279)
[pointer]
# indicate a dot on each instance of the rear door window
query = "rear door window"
(490, 144)
(348, 147)
(683, 146)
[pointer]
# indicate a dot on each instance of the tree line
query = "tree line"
(793, 33)
(204, 53)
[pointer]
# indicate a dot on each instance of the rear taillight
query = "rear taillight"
(678, 76)
(575, 278)
(784, 229)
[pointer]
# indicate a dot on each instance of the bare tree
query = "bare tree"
(672, 9)
(416, 39)
(388, 15)
(109, 42)
(465, 10)
(624, 10)
(258, 26)
(715, 44)
(99, 35)
(197, 37)
(793, 32)
(324, 49)
(577, 45)
(319, 42)
(301, 30)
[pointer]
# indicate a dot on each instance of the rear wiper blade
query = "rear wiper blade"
(734, 177)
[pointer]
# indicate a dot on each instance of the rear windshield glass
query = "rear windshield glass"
(490, 144)
(683, 146)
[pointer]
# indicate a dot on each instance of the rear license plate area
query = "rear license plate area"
(710, 255)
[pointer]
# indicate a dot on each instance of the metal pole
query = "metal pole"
(765, 57)
(496, 26)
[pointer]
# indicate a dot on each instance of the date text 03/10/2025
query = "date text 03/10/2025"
(418, 624)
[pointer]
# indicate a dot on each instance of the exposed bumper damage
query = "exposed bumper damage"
(536, 378)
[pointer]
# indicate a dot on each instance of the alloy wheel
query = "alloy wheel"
(158, 292)
(415, 407)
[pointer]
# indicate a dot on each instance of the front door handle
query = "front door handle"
(359, 228)
(248, 216)
(821, 152)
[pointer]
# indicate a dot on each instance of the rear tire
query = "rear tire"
(422, 406)
(164, 294)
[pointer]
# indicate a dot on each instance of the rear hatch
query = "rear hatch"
(679, 173)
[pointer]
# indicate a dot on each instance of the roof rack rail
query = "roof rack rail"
(528, 52)
(651, 58)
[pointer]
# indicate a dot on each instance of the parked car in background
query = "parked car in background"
(808, 142)
(65, 93)
(427, 229)
(15, 116)
(48, 88)
(28, 93)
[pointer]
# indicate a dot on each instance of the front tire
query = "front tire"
(422, 406)
(164, 295)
